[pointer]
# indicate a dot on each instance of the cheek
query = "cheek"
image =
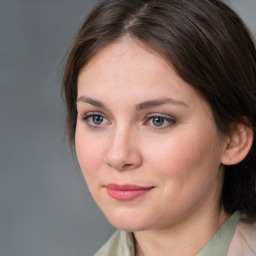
(186, 170)
(185, 155)
(88, 154)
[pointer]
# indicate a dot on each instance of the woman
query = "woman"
(161, 108)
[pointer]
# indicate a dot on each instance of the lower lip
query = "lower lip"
(126, 195)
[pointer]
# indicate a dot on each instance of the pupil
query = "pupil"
(97, 119)
(158, 121)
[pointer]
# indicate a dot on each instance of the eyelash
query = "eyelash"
(86, 118)
(168, 120)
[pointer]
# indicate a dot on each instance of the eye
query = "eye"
(160, 121)
(94, 120)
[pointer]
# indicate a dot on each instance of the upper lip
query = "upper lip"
(126, 187)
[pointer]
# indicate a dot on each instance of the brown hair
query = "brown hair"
(209, 47)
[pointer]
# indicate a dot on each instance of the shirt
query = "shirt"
(234, 238)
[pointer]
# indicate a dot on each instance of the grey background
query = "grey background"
(45, 206)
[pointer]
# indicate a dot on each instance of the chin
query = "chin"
(130, 226)
(128, 220)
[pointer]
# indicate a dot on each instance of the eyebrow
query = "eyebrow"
(159, 102)
(91, 101)
(138, 107)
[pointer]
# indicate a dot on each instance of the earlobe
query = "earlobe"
(238, 145)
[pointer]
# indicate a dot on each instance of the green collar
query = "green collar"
(220, 242)
(122, 243)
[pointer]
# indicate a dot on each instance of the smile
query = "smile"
(126, 192)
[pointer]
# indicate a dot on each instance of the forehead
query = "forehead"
(129, 68)
(127, 54)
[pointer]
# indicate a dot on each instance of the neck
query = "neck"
(185, 238)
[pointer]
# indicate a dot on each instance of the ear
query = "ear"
(238, 144)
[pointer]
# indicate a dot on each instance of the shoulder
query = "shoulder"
(244, 240)
(120, 243)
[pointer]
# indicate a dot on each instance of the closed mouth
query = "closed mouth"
(127, 191)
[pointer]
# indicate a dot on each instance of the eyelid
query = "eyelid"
(160, 115)
(89, 114)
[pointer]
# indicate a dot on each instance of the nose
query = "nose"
(123, 151)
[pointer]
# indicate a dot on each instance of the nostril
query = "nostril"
(126, 166)
(121, 167)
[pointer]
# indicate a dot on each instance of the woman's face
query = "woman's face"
(146, 142)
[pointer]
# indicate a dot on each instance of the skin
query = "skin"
(178, 154)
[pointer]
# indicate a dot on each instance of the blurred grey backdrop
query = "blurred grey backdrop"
(45, 206)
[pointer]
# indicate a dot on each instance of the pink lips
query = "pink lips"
(126, 192)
